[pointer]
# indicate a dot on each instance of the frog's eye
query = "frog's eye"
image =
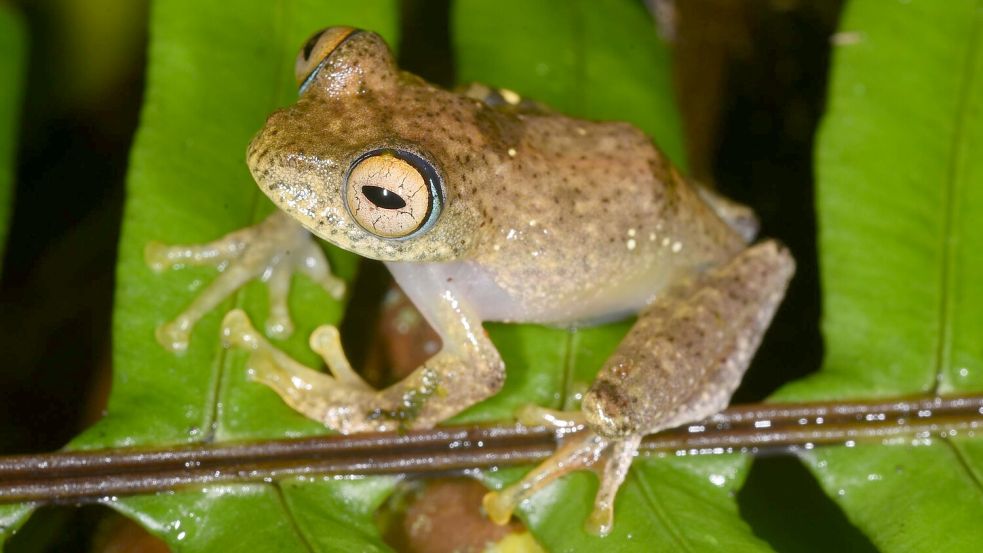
(316, 50)
(393, 193)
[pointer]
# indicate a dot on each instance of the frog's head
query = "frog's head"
(362, 158)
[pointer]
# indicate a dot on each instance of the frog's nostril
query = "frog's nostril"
(383, 197)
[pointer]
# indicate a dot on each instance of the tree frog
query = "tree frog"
(488, 207)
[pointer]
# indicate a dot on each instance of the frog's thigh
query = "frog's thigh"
(686, 354)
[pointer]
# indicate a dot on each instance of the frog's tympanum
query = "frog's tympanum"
(487, 207)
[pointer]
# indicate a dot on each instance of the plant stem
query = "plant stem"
(74, 476)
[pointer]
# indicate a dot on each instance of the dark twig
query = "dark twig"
(74, 476)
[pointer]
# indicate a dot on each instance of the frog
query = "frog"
(486, 206)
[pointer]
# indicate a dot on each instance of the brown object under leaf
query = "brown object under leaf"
(446, 517)
(405, 341)
(118, 534)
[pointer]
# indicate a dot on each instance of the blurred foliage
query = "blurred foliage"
(12, 45)
(900, 198)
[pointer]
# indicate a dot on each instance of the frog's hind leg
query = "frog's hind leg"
(687, 353)
(680, 362)
(271, 251)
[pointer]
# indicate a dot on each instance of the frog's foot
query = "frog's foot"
(270, 251)
(584, 450)
(342, 400)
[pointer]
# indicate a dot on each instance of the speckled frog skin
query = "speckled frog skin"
(487, 207)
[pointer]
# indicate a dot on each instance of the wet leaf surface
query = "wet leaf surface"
(900, 195)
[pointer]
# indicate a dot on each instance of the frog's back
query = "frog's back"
(588, 220)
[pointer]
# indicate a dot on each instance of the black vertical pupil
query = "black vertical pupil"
(383, 197)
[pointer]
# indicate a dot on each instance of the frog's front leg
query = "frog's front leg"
(680, 362)
(271, 251)
(466, 370)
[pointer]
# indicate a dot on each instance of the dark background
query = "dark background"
(751, 76)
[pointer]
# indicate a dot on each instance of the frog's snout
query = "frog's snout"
(267, 142)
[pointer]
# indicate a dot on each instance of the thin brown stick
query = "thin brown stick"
(91, 475)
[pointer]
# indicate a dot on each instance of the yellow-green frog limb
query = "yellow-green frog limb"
(502, 210)
(270, 251)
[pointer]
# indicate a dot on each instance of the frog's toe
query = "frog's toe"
(279, 327)
(237, 331)
(600, 521)
(580, 451)
(155, 256)
(555, 419)
(278, 324)
(334, 286)
(616, 461)
(584, 450)
(499, 506)
(313, 263)
(175, 335)
(326, 342)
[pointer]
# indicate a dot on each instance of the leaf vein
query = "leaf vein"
(652, 500)
(278, 490)
(954, 182)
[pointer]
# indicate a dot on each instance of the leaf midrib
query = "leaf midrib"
(652, 499)
(294, 524)
(223, 364)
(953, 184)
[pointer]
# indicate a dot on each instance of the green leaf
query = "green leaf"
(605, 65)
(608, 65)
(900, 203)
(12, 49)
(12, 53)
(12, 517)
(215, 73)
